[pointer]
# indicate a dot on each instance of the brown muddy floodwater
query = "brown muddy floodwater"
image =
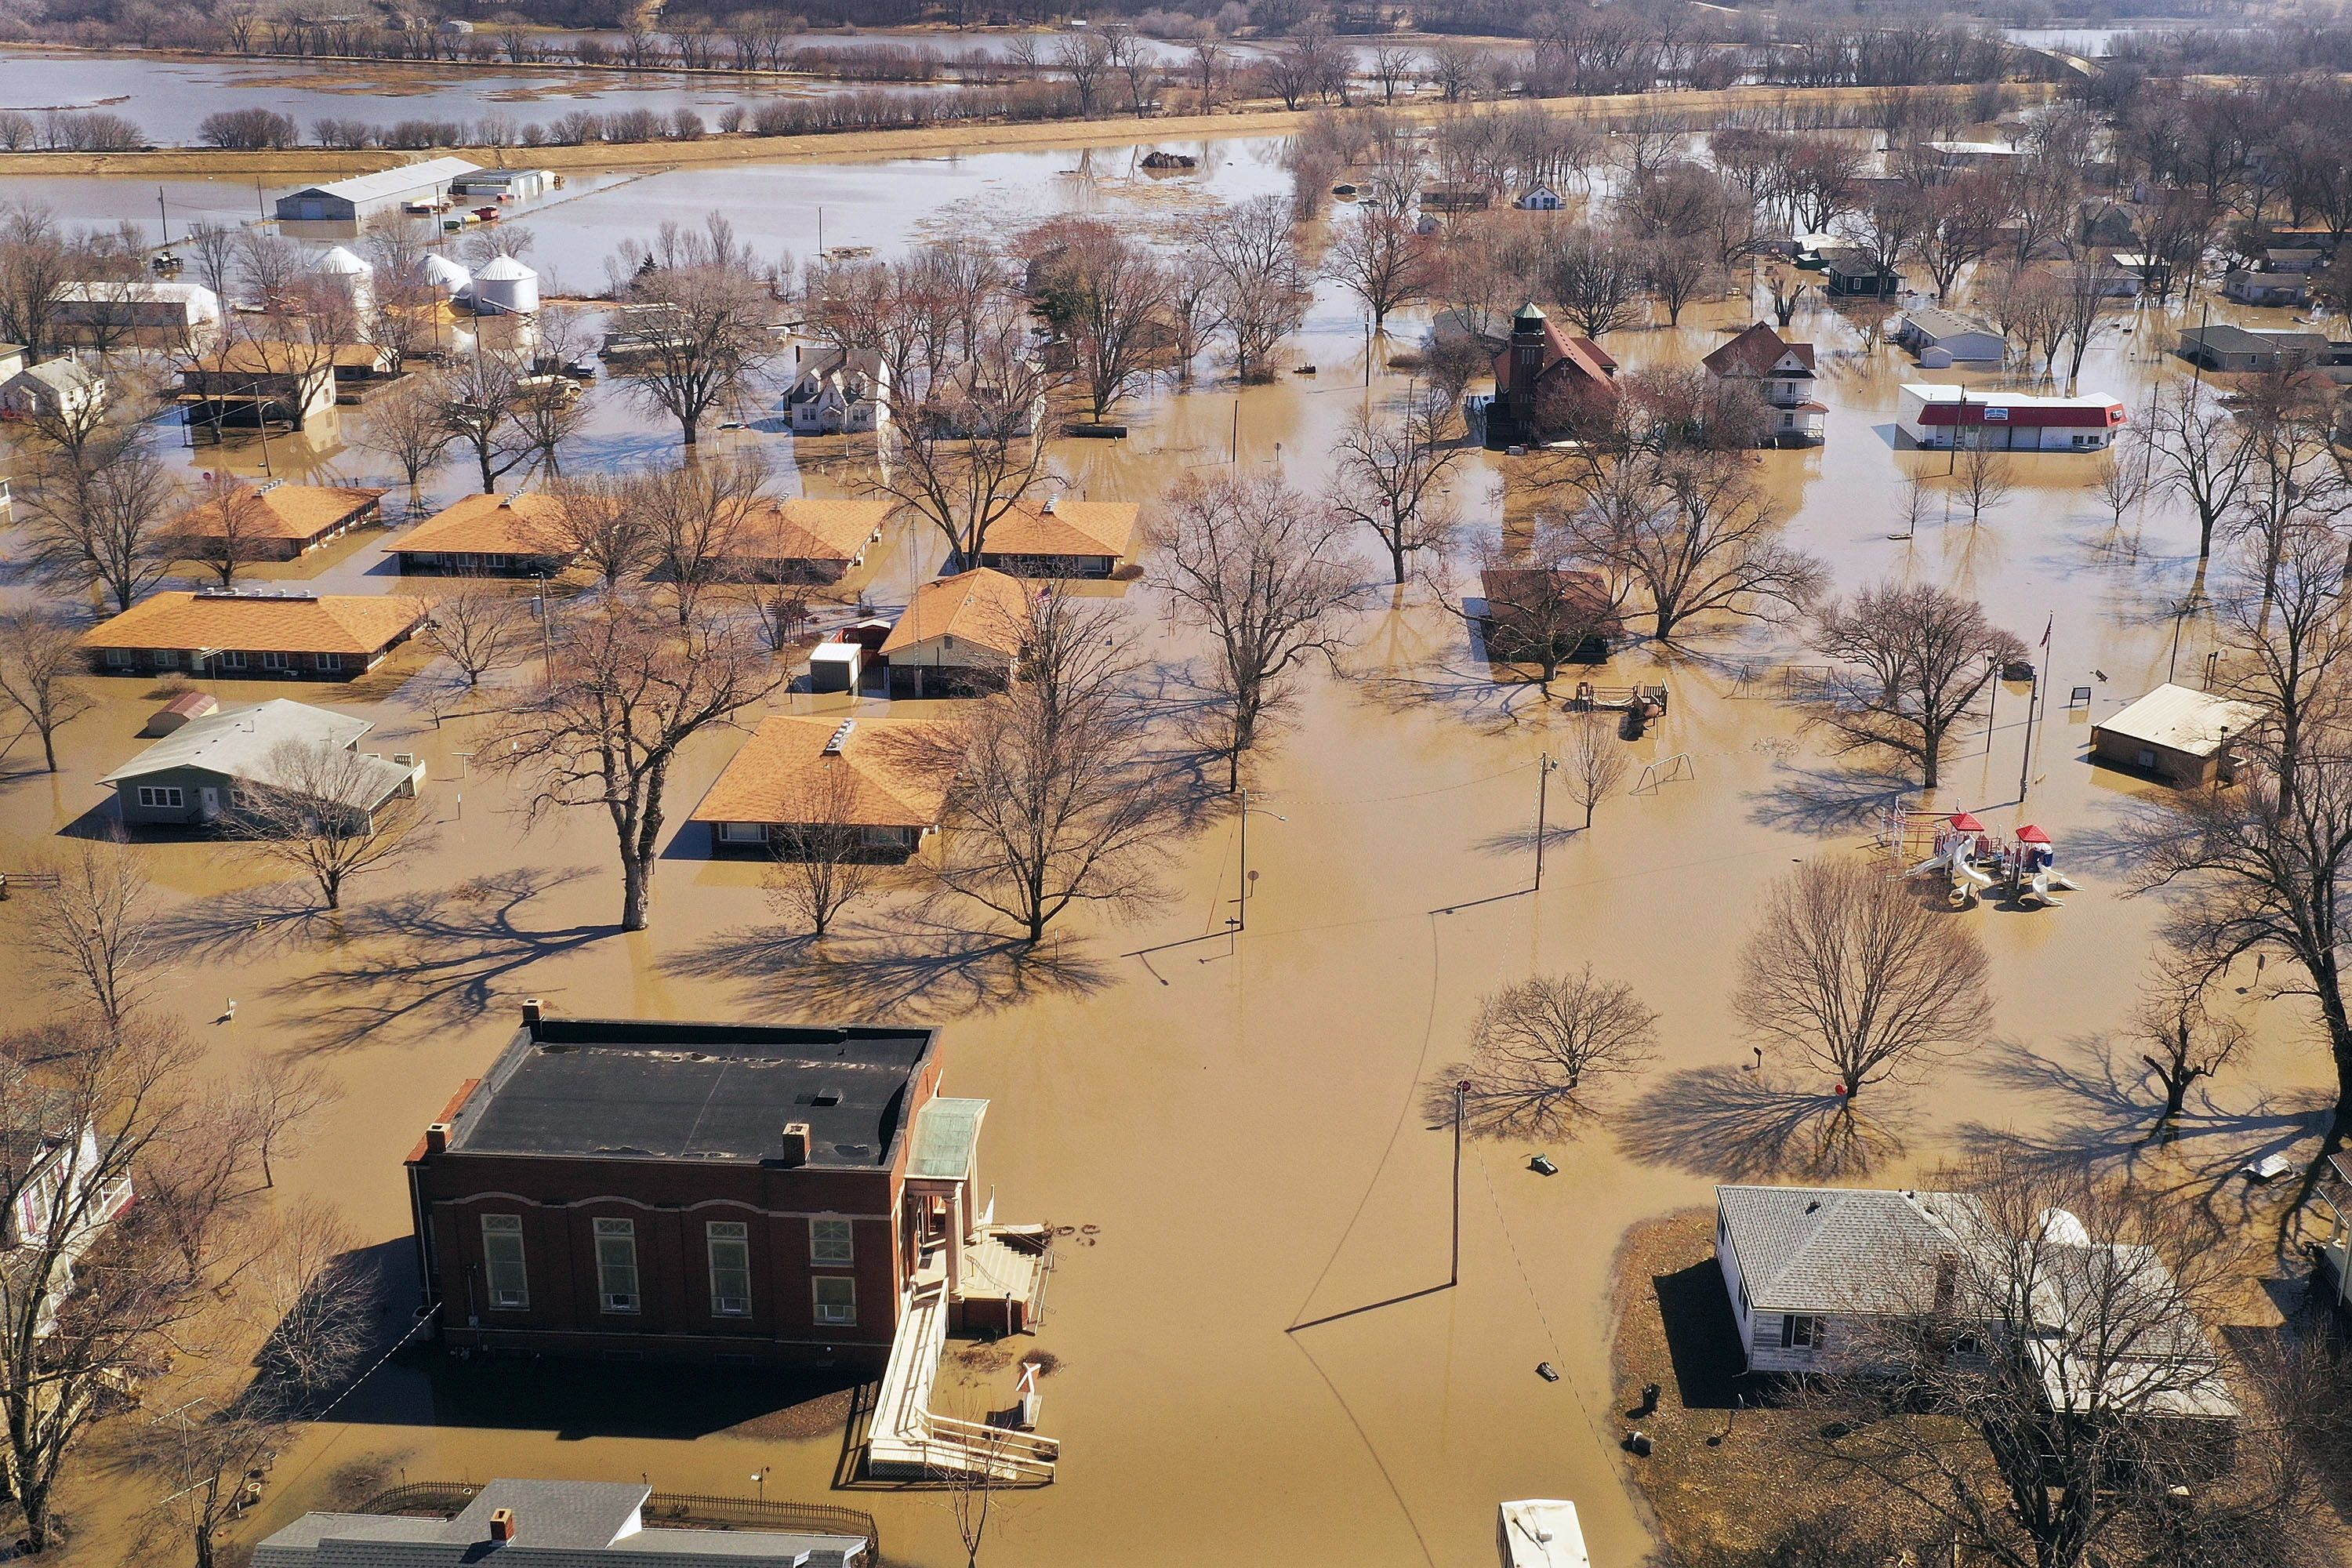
(1239, 1120)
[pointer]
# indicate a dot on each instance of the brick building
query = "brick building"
(701, 1191)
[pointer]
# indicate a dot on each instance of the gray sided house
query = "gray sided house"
(559, 1524)
(194, 775)
(1801, 1265)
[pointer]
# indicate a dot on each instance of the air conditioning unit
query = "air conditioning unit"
(620, 1303)
(731, 1306)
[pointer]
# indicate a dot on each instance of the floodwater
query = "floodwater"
(168, 98)
(1238, 1117)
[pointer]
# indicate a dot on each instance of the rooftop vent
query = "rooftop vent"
(255, 594)
(1812, 1205)
(840, 738)
(1048, 508)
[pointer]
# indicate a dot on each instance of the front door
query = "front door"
(209, 801)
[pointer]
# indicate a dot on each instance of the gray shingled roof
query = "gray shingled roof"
(1841, 1249)
(239, 743)
(559, 1523)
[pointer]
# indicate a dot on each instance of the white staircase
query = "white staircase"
(908, 1440)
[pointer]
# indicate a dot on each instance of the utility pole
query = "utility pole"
(1461, 1093)
(1959, 425)
(2025, 753)
(1543, 789)
(1992, 703)
(1234, 443)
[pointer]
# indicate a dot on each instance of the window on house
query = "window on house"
(118, 658)
(232, 658)
(836, 1300)
(617, 1264)
(167, 658)
(509, 1279)
(731, 1268)
(831, 1241)
(328, 661)
(273, 661)
(1802, 1330)
(161, 796)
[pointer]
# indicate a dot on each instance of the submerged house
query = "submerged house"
(1548, 384)
(1061, 538)
(576, 1524)
(722, 1192)
(267, 635)
(1531, 615)
(277, 522)
(803, 788)
(517, 535)
(61, 1199)
(2177, 733)
(1944, 417)
(958, 637)
(1782, 374)
(835, 393)
(197, 773)
(804, 540)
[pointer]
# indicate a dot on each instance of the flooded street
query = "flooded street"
(1232, 1127)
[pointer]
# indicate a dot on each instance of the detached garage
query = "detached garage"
(2178, 733)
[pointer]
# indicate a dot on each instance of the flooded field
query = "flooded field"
(1232, 1127)
(168, 98)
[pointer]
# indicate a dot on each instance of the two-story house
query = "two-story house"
(835, 393)
(1782, 374)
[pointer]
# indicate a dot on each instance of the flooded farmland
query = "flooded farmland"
(1231, 1127)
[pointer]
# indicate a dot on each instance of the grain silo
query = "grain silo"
(348, 276)
(446, 277)
(505, 287)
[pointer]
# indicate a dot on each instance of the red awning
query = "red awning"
(1966, 824)
(2029, 834)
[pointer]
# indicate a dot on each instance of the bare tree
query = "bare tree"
(95, 936)
(1381, 260)
(1108, 295)
(1595, 276)
(2124, 479)
(626, 688)
(1261, 290)
(2260, 868)
(591, 522)
(408, 422)
(1545, 1051)
(2199, 453)
(1393, 475)
(1266, 573)
(2184, 1038)
(822, 864)
(1787, 287)
(1854, 973)
(97, 1291)
(327, 811)
(1699, 537)
(1594, 763)
(713, 327)
(1058, 800)
(277, 1097)
(1983, 475)
(1917, 657)
(100, 516)
(40, 656)
(478, 628)
(227, 527)
(480, 394)
(697, 519)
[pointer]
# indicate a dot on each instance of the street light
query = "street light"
(1241, 922)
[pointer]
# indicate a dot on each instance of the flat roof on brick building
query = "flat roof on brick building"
(633, 1089)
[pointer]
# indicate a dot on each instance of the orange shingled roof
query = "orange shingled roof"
(810, 529)
(289, 511)
(1072, 528)
(778, 775)
(982, 607)
(521, 524)
(263, 623)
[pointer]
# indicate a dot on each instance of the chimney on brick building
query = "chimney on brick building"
(796, 1143)
(530, 1012)
(502, 1524)
(436, 1138)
